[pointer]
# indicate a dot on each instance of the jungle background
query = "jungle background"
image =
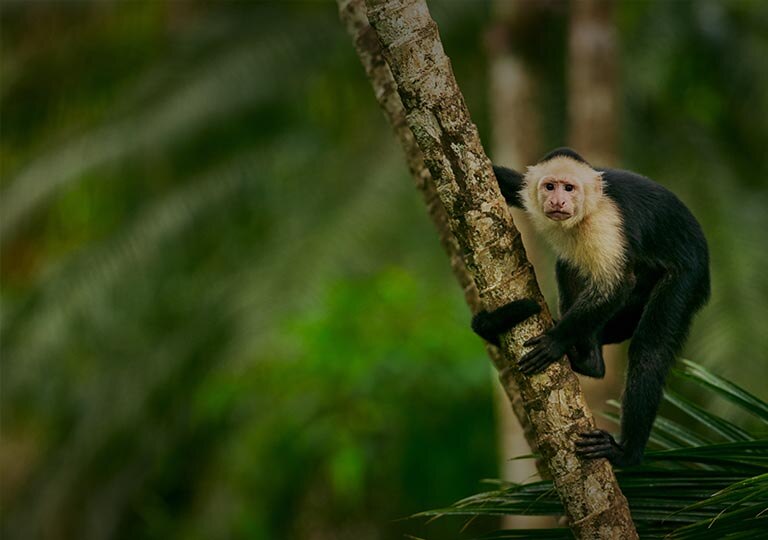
(225, 313)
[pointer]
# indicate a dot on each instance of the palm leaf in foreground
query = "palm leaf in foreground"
(697, 486)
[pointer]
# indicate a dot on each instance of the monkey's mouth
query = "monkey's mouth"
(558, 216)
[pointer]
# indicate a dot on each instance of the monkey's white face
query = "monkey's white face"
(561, 192)
(561, 198)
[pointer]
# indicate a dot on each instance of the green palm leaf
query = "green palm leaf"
(693, 487)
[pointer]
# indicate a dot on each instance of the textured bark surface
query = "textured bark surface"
(366, 41)
(494, 255)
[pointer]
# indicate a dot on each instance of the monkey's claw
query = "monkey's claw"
(546, 350)
(599, 444)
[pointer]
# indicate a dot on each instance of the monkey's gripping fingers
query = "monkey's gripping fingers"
(546, 349)
(599, 444)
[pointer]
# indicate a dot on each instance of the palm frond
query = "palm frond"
(693, 487)
(730, 432)
(724, 388)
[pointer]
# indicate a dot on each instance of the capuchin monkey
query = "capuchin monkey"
(632, 263)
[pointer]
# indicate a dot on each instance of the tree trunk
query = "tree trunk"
(593, 81)
(352, 13)
(593, 113)
(493, 252)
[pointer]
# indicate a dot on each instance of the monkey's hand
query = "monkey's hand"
(600, 444)
(546, 349)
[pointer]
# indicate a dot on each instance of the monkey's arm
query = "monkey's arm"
(588, 314)
(586, 355)
(569, 285)
(510, 184)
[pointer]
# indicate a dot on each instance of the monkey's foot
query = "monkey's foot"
(546, 350)
(600, 444)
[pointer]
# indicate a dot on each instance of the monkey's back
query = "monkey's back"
(661, 232)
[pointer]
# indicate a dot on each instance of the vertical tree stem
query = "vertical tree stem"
(593, 97)
(353, 15)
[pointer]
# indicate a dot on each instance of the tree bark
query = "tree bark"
(494, 254)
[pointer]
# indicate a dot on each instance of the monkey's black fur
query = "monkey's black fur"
(489, 327)
(666, 281)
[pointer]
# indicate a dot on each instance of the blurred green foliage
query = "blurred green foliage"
(224, 311)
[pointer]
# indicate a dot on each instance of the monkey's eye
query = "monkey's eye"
(550, 186)
(568, 187)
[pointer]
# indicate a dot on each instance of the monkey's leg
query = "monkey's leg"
(659, 337)
(488, 325)
(586, 355)
(622, 326)
(586, 358)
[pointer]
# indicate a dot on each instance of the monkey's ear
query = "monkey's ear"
(592, 188)
(598, 183)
